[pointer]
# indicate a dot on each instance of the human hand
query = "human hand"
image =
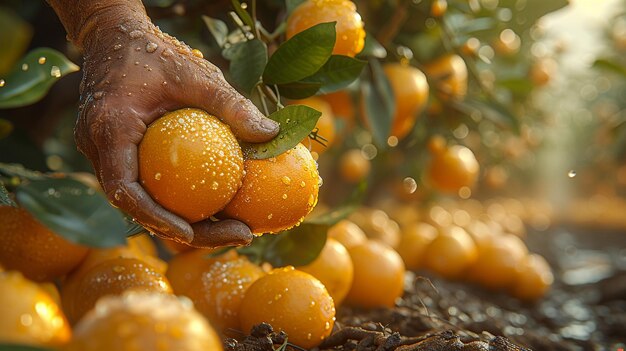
(133, 74)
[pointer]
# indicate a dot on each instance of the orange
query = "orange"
(533, 279)
(498, 261)
(325, 126)
(378, 275)
(377, 225)
(277, 193)
(451, 253)
(542, 71)
(29, 315)
(452, 168)
(111, 277)
(218, 291)
(187, 267)
(144, 321)
(343, 107)
(350, 33)
(438, 8)
(347, 233)
(333, 267)
(31, 248)
(353, 166)
(190, 163)
(413, 243)
(470, 47)
(449, 73)
(143, 243)
(410, 90)
(291, 301)
(507, 43)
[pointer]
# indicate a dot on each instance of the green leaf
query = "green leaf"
(296, 247)
(218, 29)
(6, 127)
(372, 48)
(17, 170)
(15, 347)
(5, 197)
(27, 87)
(14, 44)
(337, 73)
(74, 211)
(133, 228)
(301, 56)
(296, 123)
(292, 4)
(379, 103)
(611, 66)
(247, 62)
(519, 86)
(243, 14)
(299, 90)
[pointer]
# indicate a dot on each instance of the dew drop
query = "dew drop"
(151, 47)
(571, 173)
(118, 269)
(136, 34)
(409, 184)
(197, 53)
(98, 95)
(26, 320)
(42, 60)
(24, 66)
(215, 185)
(302, 184)
(326, 326)
(55, 71)
(269, 216)
(284, 196)
(286, 180)
(2, 82)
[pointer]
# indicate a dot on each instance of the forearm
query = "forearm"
(87, 20)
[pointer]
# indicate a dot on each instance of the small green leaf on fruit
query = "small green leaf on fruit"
(296, 123)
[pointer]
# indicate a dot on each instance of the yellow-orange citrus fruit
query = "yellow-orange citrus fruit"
(144, 321)
(347, 233)
(498, 261)
(218, 291)
(343, 107)
(350, 33)
(190, 163)
(325, 126)
(471, 46)
(333, 267)
(277, 193)
(451, 253)
(111, 277)
(453, 168)
(52, 291)
(378, 275)
(29, 247)
(377, 225)
(413, 243)
(29, 315)
(449, 73)
(291, 301)
(507, 43)
(438, 8)
(542, 71)
(353, 166)
(187, 267)
(144, 244)
(410, 90)
(534, 278)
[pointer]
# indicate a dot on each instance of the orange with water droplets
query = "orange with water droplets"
(347, 233)
(378, 275)
(29, 315)
(349, 28)
(190, 163)
(219, 289)
(410, 90)
(325, 126)
(291, 301)
(111, 277)
(277, 193)
(333, 267)
(187, 267)
(28, 246)
(144, 321)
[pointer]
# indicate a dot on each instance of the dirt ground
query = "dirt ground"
(585, 310)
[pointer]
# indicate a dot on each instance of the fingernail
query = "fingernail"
(269, 125)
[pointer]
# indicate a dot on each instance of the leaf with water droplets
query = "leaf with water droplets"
(74, 211)
(25, 87)
(5, 197)
(296, 123)
(15, 347)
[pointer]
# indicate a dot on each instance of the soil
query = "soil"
(585, 309)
